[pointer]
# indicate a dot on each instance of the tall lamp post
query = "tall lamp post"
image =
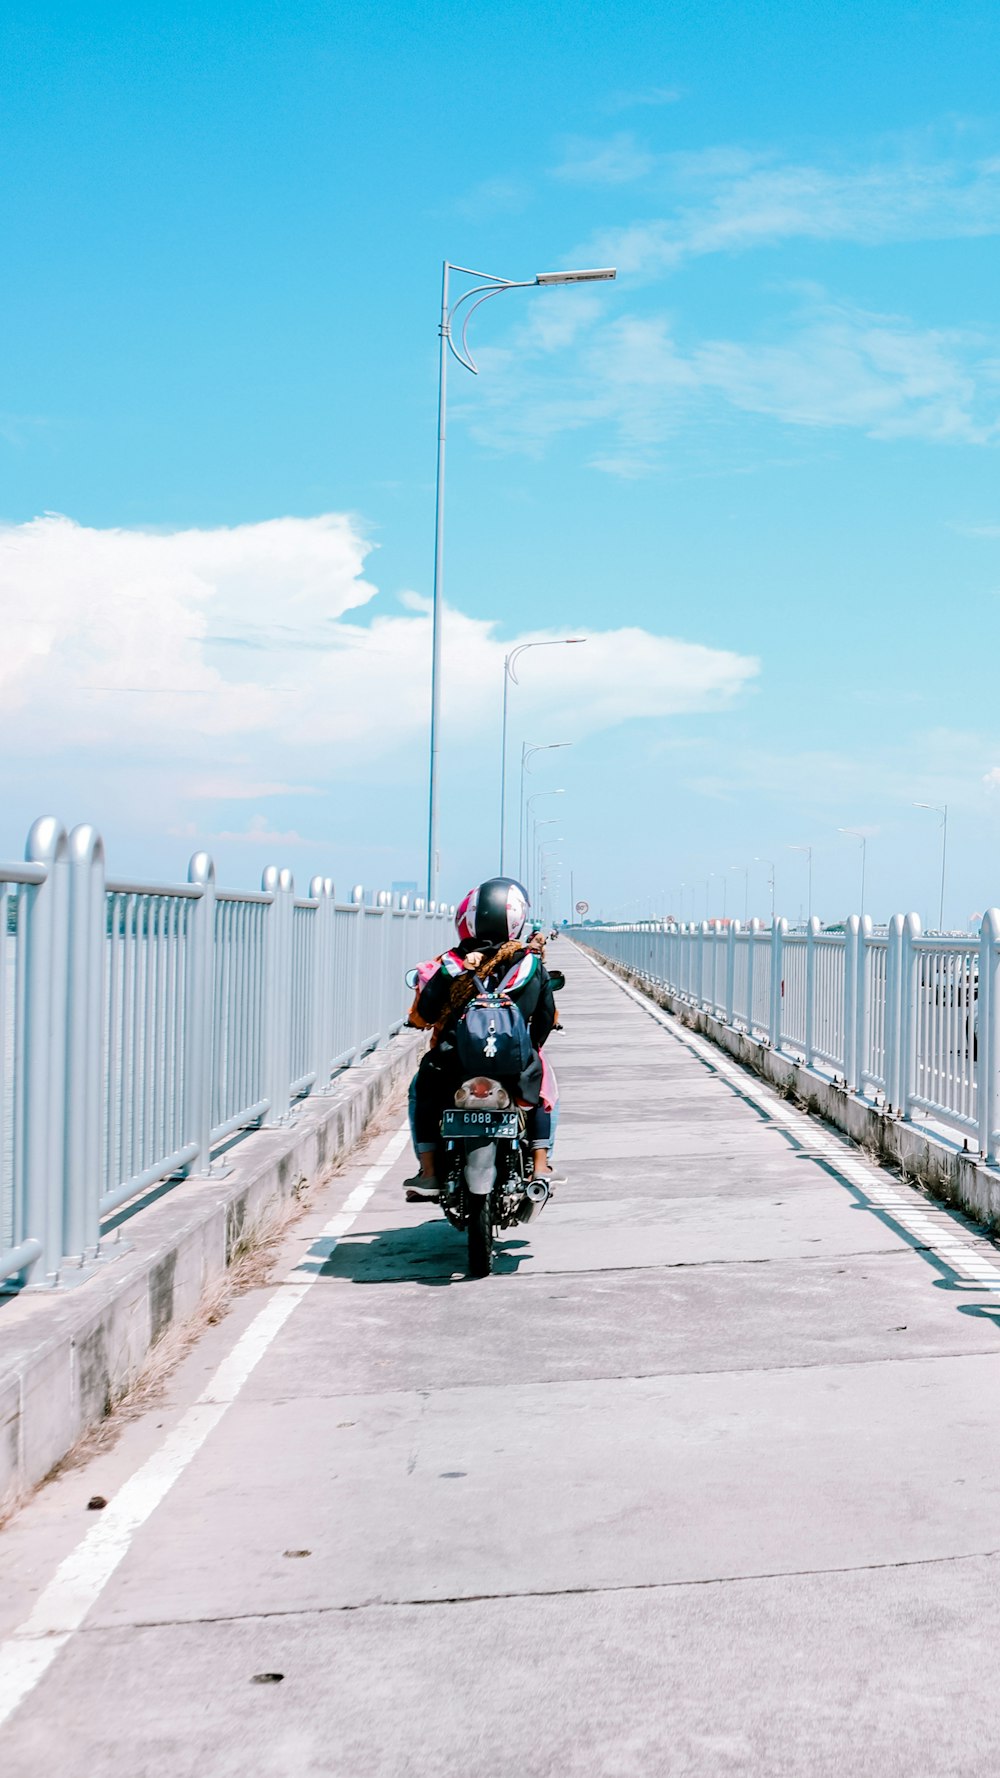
(537, 798)
(770, 865)
(528, 748)
(809, 850)
(484, 286)
(857, 834)
(942, 810)
(551, 887)
(541, 878)
(509, 677)
(533, 865)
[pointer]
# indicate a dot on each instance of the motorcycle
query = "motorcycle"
(484, 1163)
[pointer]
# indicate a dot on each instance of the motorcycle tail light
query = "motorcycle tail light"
(483, 1092)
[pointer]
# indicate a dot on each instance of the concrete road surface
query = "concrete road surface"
(705, 1480)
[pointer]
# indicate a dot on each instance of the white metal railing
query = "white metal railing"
(142, 1025)
(909, 1017)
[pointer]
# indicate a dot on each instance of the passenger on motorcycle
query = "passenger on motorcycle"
(491, 949)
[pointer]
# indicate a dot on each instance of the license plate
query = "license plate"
(479, 1123)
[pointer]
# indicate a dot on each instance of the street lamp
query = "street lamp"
(942, 810)
(857, 834)
(541, 865)
(537, 796)
(527, 749)
(485, 286)
(548, 821)
(810, 852)
(551, 891)
(770, 866)
(509, 675)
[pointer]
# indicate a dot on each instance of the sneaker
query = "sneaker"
(420, 1188)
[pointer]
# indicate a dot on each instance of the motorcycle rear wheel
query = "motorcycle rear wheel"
(480, 1235)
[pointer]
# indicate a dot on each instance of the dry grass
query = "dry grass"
(11, 1502)
(253, 1261)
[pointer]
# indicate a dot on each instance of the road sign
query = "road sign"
(583, 907)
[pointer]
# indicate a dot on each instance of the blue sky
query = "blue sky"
(759, 471)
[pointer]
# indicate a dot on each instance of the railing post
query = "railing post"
(812, 929)
(852, 940)
(778, 929)
(360, 1033)
(278, 992)
(40, 1045)
(984, 1033)
(909, 991)
(862, 1003)
(734, 927)
(198, 1067)
(321, 891)
(893, 1017)
(82, 1172)
(752, 931)
(703, 932)
(381, 981)
(691, 943)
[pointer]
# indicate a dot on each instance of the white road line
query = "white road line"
(922, 1221)
(27, 1654)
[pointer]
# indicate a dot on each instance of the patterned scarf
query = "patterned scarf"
(465, 987)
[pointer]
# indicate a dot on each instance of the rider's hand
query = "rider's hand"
(473, 959)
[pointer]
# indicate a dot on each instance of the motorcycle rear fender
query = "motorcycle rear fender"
(481, 1168)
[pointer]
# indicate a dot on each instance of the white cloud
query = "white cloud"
(616, 161)
(649, 96)
(879, 373)
(906, 765)
(227, 664)
(829, 365)
(261, 832)
(220, 788)
(493, 197)
(727, 200)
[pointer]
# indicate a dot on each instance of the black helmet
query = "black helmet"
(493, 913)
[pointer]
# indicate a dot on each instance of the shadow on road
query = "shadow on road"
(432, 1253)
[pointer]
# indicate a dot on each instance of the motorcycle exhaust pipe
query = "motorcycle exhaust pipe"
(536, 1196)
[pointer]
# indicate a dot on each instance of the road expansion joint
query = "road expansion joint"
(498, 1598)
(698, 1265)
(654, 1376)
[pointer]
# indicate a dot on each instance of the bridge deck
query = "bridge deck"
(705, 1481)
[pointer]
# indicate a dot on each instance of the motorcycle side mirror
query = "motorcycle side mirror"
(558, 980)
(411, 978)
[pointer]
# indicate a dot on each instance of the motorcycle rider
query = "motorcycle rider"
(490, 949)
